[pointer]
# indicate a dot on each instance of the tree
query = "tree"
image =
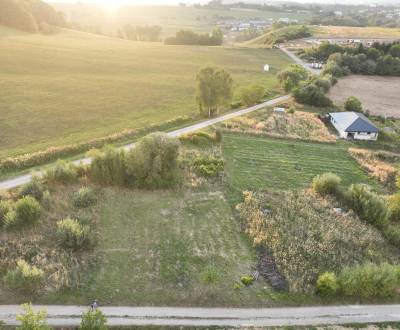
(93, 320)
(395, 50)
(214, 90)
(31, 320)
(153, 163)
(353, 104)
(291, 77)
(311, 94)
(252, 94)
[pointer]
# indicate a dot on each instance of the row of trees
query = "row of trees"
(29, 15)
(380, 59)
(140, 33)
(187, 37)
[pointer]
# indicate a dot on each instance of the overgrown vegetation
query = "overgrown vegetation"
(307, 237)
(187, 37)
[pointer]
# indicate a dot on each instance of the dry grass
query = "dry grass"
(381, 165)
(307, 237)
(374, 32)
(299, 125)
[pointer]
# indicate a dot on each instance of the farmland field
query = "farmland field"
(69, 87)
(379, 95)
(170, 18)
(374, 32)
(261, 163)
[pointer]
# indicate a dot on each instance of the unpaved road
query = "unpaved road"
(23, 179)
(233, 317)
(380, 95)
(299, 61)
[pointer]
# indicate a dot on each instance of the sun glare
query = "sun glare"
(109, 5)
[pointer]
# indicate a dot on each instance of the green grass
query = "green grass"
(278, 164)
(72, 86)
(157, 247)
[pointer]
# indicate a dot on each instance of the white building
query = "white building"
(354, 125)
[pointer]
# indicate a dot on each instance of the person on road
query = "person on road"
(93, 305)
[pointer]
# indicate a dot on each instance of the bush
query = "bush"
(370, 281)
(108, 167)
(85, 197)
(34, 188)
(198, 138)
(72, 235)
(326, 184)
(62, 172)
(327, 284)
(312, 95)
(93, 320)
(209, 275)
(31, 320)
(247, 280)
(208, 166)
(392, 234)
(153, 163)
(394, 207)
(353, 104)
(26, 210)
(24, 277)
(367, 205)
(252, 94)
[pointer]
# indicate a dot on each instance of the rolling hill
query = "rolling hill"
(73, 86)
(29, 15)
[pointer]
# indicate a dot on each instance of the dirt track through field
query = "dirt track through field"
(380, 95)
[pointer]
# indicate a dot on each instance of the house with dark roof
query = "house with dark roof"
(354, 125)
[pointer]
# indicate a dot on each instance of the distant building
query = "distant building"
(354, 125)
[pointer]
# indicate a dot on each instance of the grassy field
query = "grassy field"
(355, 32)
(158, 248)
(254, 163)
(65, 88)
(170, 18)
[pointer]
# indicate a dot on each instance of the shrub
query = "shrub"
(209, 275)
(34, 188)
(392, 234)
(93, 320)
(247, 280)
(62, 172)
(353, 104)
(108, 167)
(326, 184)
(394, 207)
(26, 210)
(312, 95)
(72, 235)
(327, 284)
(370, 280)
(208, 166)
(5, 208)
(198, 138)
(31, 320)
(368, 205)
(252, 94)
(24, 277)
(46, 200)
(85, 197)
(153, 163)
(218, 135)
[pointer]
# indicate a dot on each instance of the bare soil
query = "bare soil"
(380, 95)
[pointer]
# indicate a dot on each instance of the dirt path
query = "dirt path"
(234, 317)
(23, 179)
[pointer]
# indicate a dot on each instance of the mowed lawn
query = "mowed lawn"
(278, 164)
(73, 86)
(159, 248)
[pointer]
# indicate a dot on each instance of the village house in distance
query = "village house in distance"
(354, 125)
